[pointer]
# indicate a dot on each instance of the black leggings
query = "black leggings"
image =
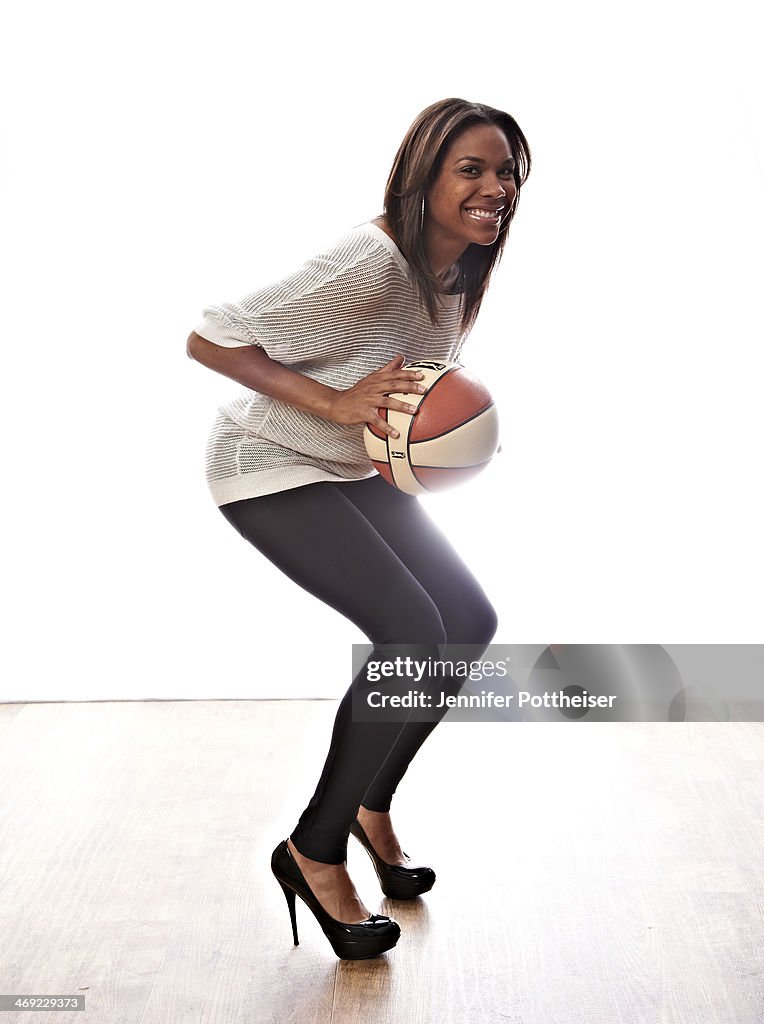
(369, 551)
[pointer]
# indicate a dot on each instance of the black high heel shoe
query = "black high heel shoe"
(397, 882)
(349, 941)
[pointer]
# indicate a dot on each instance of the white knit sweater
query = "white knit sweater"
(344, 314)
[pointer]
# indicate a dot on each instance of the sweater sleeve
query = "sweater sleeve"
(305, 317)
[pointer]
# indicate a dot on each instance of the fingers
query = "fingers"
(389, 382)
(394, 403)
(393, 368)
(405, 386)
(383, 426)
(391, 379)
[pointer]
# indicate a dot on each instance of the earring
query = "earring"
(421, 219)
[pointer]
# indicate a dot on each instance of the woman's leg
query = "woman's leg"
(468, 617)
(321, 540)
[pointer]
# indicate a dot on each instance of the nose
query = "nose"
(493, 187)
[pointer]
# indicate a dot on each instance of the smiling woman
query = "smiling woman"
(461, 166)
(482, 188)
(319, 355)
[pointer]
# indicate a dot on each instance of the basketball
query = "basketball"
(453, 435)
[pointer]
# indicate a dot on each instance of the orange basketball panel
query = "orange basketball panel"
(455, 397)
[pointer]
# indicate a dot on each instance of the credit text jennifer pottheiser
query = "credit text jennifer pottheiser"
(488, 699)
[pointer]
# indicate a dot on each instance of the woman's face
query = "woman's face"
(473, 191)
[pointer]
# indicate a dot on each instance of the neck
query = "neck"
(442, 252)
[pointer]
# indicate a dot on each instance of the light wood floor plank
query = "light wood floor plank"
(587, 873)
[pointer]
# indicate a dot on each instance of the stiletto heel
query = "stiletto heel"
(290, 898)
(398, 883)
(361, 941)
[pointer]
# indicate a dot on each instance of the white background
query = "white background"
(160, 157)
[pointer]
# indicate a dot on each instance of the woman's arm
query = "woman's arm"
(253, 367)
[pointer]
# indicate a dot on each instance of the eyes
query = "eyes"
(505, 172)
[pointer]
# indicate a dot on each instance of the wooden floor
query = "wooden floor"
(608, 873)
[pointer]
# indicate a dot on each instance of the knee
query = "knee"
(486, 623)
(476, 624)
(414, 633)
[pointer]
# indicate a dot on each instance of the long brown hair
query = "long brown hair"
(415, 169)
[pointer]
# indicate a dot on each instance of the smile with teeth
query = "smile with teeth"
(481, 214)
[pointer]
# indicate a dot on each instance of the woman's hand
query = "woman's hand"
(360, 403)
